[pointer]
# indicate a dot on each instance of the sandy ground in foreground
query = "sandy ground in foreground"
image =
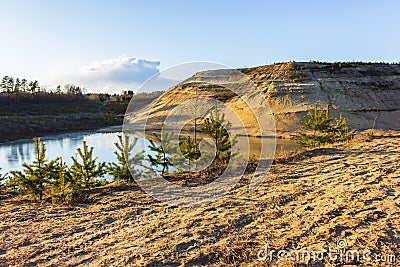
(349, 192)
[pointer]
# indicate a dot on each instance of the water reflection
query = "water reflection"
(13, 154)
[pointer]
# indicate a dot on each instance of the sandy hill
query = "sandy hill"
(368, 94)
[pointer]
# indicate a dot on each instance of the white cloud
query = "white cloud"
(122, 69)
(115, 75)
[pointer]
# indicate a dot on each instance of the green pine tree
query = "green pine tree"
(17, 85)
(317, 120)
(4, 84)
(10, 85)
(161, 146)
(36, 176)
(340, 130)
(190, 149)
(323, 130)
(63, 185)
(120, 171)
(85, 173)
(216, 127)
(24, 84)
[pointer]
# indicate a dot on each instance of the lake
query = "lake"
(13, 154)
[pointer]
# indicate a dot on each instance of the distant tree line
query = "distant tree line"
(21, 91)
(10, 85)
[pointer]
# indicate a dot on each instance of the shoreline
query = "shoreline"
(25, 128)
(110, 129)
(25, 136)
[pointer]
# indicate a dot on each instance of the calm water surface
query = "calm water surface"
(13, 154)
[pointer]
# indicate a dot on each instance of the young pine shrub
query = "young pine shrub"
(120, 171)
(161, 147)
(324, 131)
(190, 150)
(216, 128)
(63, 186)
(35, 177)
(85, 170)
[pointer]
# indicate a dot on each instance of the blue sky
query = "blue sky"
(57, 41)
